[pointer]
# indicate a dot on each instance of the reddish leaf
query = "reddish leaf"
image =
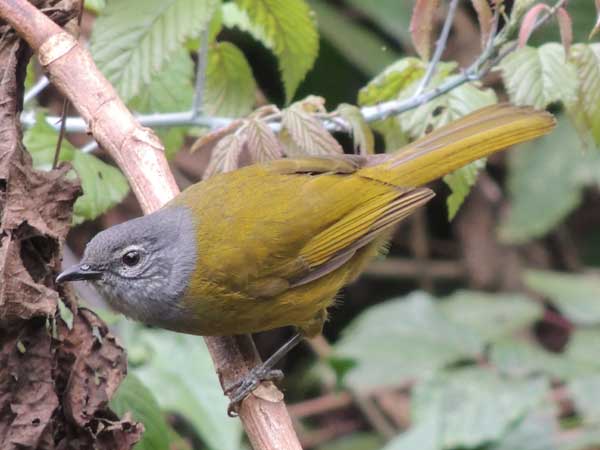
(485, 18)
(529, 21)
(421, 26)
(597, 26)
(566, 29)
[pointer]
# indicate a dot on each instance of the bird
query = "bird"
(271, 244)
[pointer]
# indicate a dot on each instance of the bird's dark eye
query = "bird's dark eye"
(131, 258)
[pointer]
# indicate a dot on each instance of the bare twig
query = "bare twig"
(140, 155)
(200, 75)
(440, 46)
(36, 89)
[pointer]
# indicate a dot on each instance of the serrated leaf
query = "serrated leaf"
(132, 40)
(304, 134)
(261, 142)
(103, 185)
(179, 371)
(485, 18)
(361, 132)
(539, 76)
(402, 339)
(132, 396)
(492, 316)
(585, 110)
(580, 344)
(288, 29)
(230, 86)
(536, 204)
(474, 406)
(529, 20)
(576, 296)
(460, 183)
(226, 155)
(170, 90)
(421, 26)
(565, 25)
(392, 81)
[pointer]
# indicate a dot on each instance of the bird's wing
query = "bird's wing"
(266, 228)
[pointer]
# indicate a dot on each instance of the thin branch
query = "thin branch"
(440, 46)
(200, 75)
(36, 89)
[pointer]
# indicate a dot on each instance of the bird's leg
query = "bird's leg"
(263, 372)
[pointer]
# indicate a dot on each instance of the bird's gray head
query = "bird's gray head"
(142, 266)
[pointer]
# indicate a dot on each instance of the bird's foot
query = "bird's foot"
(248, 383)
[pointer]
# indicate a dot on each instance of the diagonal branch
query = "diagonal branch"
(440, 46)
(140, 155)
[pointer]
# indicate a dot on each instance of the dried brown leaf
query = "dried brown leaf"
(226, 155)
(421, 26)
(485, 18)
(529, 21)
(262, 144)
(43, 378)
(565, 26)
(303, 134)
(208, 141)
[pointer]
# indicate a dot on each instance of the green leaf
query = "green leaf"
(538, 431)
(392, 81)
(95, 6)
(230, 86)
(492, 316)
(545, 181)
(585, 110)
(103, 185)
(361, 132)
(180, 373)
(170, 90)
(132, 396)
(423, 436)
(132, 40)
(288, 29)
(539, 76)
(581, 347)
(359, 45)
(474, 406)
(521, 359)
(585, 392)
(460, 183)
(576, 296)
(402, 339)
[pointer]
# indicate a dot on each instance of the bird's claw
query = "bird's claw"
(245, 385)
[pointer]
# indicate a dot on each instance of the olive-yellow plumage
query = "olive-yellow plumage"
(277, 241)
(271, 244)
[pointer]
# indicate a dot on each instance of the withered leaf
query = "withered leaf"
(261, 142)
(303, 134)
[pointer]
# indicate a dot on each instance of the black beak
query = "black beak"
(78, 272)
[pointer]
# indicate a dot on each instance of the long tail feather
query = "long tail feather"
(470, 138)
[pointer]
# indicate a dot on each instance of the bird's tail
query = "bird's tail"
(448, 148)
